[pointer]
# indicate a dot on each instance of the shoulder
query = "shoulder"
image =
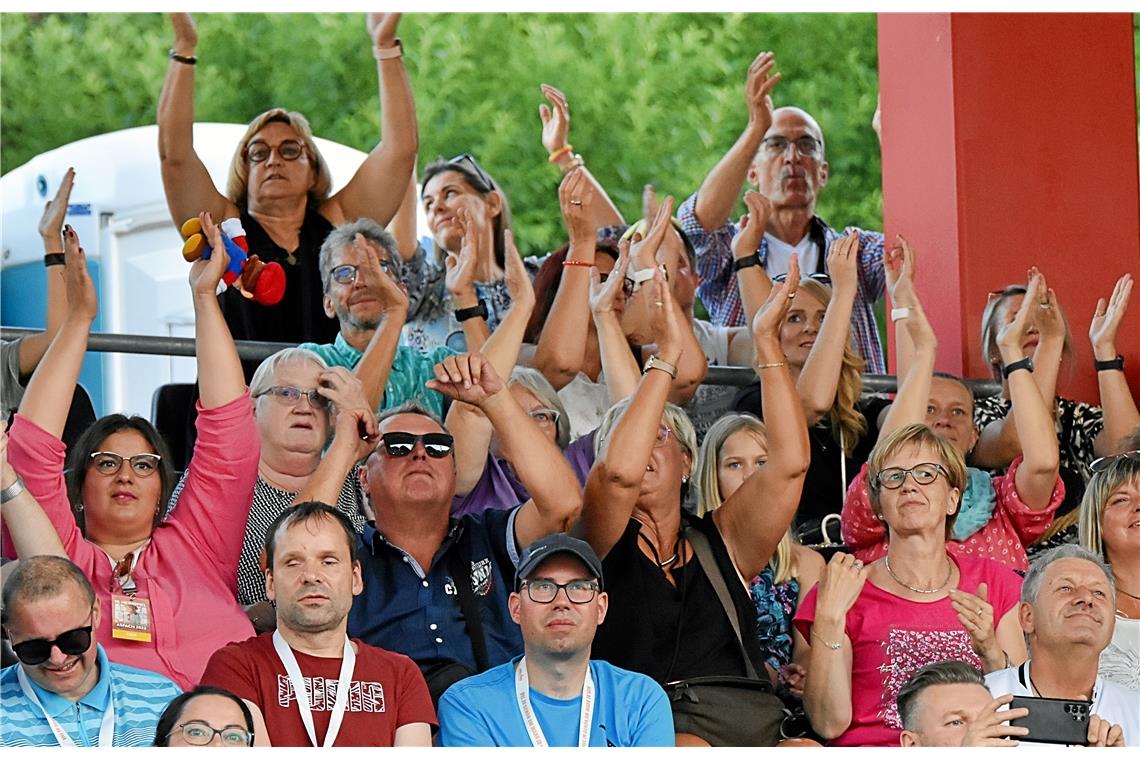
(475, 689)
(1003, 682)
(629, 682)
(996, 575)
(384, 658)
(142, 682)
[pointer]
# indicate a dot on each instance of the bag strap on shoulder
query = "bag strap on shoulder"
(703, 552)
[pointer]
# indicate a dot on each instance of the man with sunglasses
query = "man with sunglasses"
(64, 691)
(781, 154)
(554, 695)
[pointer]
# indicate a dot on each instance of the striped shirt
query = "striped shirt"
(139, 697)
(721, 296)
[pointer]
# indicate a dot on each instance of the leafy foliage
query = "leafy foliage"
(655, 98)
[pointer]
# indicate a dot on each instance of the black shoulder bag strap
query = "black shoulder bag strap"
(459, 565)
(703, 550)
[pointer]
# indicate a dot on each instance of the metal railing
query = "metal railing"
(257, 350)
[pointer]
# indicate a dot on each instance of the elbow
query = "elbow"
(619, 477)
(825, 722)
(558, 372)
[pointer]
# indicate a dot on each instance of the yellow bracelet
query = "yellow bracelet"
(773, 365)
(559, 153)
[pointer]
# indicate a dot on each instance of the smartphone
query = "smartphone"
(1054, 721)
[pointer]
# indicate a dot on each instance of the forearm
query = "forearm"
(1119, 408)
(32, 350)
(909, 407)
(398, 126)
(619, 367)
(56, 376)
(502, 347)
(819, 379)
(1037, 474)
(719, 191)
(56, 288)
(220, 376)
(692, 367)
(788, 449)
(325, 483)
(827, 690)
(403, 225)
(630, 443)
(1047, 366)
(472, 433)
(562, 343)
(754, 285)
(31, 531)
(176, 112)
(376, 363)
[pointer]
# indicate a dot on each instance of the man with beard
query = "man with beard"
(310, 683)
(554, 695)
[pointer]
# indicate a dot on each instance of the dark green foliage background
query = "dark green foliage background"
(654, 98)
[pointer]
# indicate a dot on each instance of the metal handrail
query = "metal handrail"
(255, 350)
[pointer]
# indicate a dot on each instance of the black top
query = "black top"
(822, 493)
(674, 632)
(300, 315)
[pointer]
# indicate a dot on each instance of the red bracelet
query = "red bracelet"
(577, 263)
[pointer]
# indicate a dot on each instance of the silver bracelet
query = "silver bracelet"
(12, 491)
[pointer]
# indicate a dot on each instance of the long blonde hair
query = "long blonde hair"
(708, 494)
(847, 423)
(237, 182)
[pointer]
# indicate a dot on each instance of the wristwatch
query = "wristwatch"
(1012, 367)
(1104, 365)
(657, 363)
(462, 315)
(747, 261)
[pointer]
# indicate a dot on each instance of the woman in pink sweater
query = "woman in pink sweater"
(166, 587)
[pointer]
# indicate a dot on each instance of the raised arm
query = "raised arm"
(618, 363)
(355, 433)
(555, 131)
(403, 224)
(371, 191)
(753, 281)
(721, 187)
(376, 362)
(555, 497)
(220, 377)
(189, 189)
(757, 515)
(502, 348)
(460, 276)
(58, 372)
(1120, 414)
(819, 378)
(562, 343)
(31, 531)
(1037, 474)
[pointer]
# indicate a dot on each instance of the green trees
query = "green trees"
(654, 98)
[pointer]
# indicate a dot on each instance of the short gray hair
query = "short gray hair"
(945, 673)
(411, 407)
(535, 382)
(1031, 586)
(343, 235)
(266, 372)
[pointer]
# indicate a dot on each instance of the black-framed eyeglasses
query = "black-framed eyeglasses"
(543, 591)
(346, 274)
(38, 651)
(289, 150)
(437, 445)
(288, 394)
(467, 161)
(1101, 464)
(108, 463)
(777, 145)
(544, 416)
(200, 733)
(821, 277)
(892, 478)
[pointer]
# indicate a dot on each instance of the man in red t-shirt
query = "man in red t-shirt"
(312, 684)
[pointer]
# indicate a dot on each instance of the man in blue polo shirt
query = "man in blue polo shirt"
(555, 695)
(65, 692)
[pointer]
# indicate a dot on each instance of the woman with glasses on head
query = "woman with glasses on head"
(1109, 526)
(208, 716)
(166, 587)
(280, 186)
(1083, 431)
(997, 515)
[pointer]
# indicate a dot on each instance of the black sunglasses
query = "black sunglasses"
(437, 445)
(38, 651)
(819, 277)
(467, 161)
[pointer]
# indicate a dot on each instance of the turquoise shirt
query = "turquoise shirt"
(410, 370)
(139, 697)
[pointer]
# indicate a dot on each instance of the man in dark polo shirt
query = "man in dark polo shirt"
(435, 588)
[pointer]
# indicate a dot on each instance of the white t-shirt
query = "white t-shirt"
(1120, 660)
(780, 255)
(586, 402)
(1111, 701)
(711, 402)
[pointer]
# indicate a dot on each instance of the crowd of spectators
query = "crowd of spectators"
(490, 501)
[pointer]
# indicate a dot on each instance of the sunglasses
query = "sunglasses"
(820, 277)
(437, 445)
(38, 651)
(467, 161)
(108, 463)
(1101, 464)
(289, 150)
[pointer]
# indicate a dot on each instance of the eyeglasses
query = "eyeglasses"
(437, 445)
(892, 478)
(820, 277)
(544, 416)
(777, 145)
(38, 651)
(346, 274)
(662, 436)
(289, 150)
(108, 463)
(287, 394)
(1101, 463)
(468, 161)
(544, 591)
(200, 733)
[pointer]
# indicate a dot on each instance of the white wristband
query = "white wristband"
(897, 314)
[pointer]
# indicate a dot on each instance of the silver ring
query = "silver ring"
(978, 612)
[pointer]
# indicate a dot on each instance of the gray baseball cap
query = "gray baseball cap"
(557, 543)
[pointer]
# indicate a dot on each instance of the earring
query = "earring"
(684, 478)
(79, 507)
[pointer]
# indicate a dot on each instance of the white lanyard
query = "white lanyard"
(106, 729)
(347, 664)
(530, 720)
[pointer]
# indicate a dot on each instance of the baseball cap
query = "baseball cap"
(557, 543)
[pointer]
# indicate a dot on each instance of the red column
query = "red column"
(1009, 140)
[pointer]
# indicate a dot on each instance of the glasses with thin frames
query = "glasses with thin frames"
(467, 161)
(200, 733)
(544, 416)
(288, 394)
(544, 591)
(346, 274)
(1101, 464)
(662, 436)
(437, 445)
(38, 651)
(288, 150)
(807, 146)
(892, 478)
(820, 277)
(108, 463)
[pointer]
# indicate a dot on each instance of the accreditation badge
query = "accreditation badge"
(130, 618)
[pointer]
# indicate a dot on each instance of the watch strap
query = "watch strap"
(462, 315)
(746, 261)
(1009, 369)
(1110, 364)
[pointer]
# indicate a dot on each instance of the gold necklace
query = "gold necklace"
(949, 574)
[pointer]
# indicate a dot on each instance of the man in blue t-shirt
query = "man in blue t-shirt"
(554, 695)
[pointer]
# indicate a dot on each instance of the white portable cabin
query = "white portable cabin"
(119, 210)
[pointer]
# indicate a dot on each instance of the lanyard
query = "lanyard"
(537, 738)
(106, 728)
(347, 664)
(122, 570)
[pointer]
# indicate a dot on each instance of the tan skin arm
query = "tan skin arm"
(31, 531)
(618, 365)
(220, 376)
(827, 689)
(460, 277)
(1120, 414)
(753, 282)
(403, 224)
